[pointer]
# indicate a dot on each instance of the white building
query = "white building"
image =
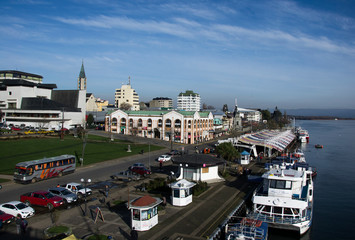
(126, 94)
(25, 100)
(180, 126)
(189, 101)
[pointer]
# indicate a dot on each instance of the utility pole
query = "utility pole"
(62, 130)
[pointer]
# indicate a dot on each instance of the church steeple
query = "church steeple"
(82, 78)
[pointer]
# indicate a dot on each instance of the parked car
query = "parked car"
(126, 175)
(137, 165)
(15, 129)
(78, 189)
(41, 198)
(164, 158)
(174, 152)
(68, 196)
(143, 171)
(5, 217)
(16, 207)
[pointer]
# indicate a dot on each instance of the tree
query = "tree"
(228, 152)
(90, 120)
(125, 106)
(277, 115)
(225, 108)
(204, 106)
(266, 115)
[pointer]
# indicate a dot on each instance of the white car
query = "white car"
(164, 158)
(16, 207)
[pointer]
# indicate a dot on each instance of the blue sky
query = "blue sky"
(290, 54)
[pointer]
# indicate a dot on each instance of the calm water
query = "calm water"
(334, 199)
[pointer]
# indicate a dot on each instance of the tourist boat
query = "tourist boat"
(303, 135)
(246, 229)
(285, 199)
(318, 146)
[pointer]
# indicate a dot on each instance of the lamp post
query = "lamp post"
(85, 184)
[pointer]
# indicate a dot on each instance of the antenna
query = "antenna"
(235, 101)
(129, 80)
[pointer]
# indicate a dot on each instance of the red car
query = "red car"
(15, 129)
(41, 198)
(6, 218)
(141, 171)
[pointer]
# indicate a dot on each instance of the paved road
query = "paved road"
(96, 172)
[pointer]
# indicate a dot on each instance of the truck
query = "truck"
(78, 189)
(41, 198)
(125, 176)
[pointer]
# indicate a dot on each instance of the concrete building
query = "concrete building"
(189, 101)
(126, 94)
(180, 126)
(161, 103)
(25, 100)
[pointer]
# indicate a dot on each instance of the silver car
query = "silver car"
(68, 196)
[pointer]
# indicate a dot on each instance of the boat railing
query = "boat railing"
(279, 219)
(247, 231)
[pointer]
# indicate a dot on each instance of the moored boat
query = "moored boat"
(246, 229)
(318, 146)
(285, 199)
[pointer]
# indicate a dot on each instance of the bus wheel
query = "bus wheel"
(34, 180)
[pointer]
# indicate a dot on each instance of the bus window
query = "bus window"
(44, 165)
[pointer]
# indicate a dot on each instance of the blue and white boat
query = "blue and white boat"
(246, 229)
(285, 199)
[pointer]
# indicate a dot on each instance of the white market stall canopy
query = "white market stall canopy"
(269, 138)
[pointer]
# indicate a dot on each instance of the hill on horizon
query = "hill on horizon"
(339, 113)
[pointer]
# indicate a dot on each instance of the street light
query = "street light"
(85, 183)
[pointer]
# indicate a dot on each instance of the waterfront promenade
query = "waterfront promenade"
(195, 221)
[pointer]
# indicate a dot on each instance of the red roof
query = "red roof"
(144, 201)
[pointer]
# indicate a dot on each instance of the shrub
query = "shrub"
(199, 188)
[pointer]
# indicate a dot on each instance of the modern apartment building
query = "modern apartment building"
(126, 94)
(161, 102)
(189, 101)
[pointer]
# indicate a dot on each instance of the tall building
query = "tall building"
(189, 101)
(82, 78)
(126, 94)
(161, 102)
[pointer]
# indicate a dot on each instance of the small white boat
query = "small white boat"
(246, 229)
(285, 199)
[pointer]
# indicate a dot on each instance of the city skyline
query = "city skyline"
(289, 54)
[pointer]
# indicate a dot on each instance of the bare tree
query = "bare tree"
(125, 106)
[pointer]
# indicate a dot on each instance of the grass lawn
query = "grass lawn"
(98, 149)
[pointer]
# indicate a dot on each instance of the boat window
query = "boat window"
(295, 211)
(266, 209)
(287, 211)
(280, 184)
(277, 210)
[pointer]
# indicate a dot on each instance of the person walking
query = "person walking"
(24, 225)
(18, 222)
(134, 234)
(106, 190)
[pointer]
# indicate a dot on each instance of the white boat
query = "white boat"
(246, 229)
(285, 199)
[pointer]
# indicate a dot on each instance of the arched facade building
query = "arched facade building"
(186, 127)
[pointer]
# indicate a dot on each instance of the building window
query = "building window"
(160, 123)
(140, 122)
(10, 93)
(168, 123)
(149, 122)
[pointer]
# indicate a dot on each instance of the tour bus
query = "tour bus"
(35, 170)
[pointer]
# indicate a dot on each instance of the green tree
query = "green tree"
(228, 152)
(266, 114)
(90, 120)
(125, 106)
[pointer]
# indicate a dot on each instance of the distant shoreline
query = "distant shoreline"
(321, 118)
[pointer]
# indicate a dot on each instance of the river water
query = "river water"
(334, 186)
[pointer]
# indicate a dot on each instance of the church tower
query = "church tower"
(82, 78)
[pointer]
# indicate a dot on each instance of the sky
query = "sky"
(289, 54)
